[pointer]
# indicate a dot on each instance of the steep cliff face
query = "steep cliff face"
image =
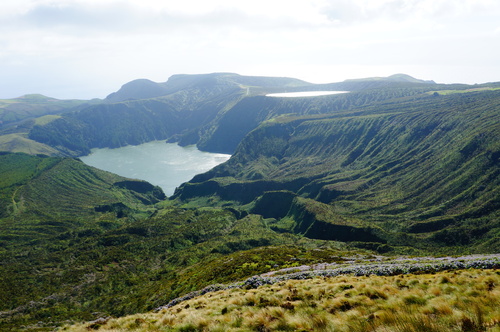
(391, 166)
(400, 155)
(140, 112)
(426, 165)
(231, 126)
(109, 125)
(214, 111)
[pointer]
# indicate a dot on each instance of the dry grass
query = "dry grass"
(466, 300)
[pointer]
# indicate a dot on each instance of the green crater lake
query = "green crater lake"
(167, 165)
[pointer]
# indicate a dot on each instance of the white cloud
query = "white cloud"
(98, 45)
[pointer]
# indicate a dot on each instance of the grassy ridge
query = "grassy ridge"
(213, 111)
(391, 168)
(32, 106)
(38, 192)
(411, 169)
(445, 301)
(19, 142)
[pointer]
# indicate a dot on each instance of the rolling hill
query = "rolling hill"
(397, 166)
(214, 111)
(33, 106)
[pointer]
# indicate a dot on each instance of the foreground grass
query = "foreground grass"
(462, 300)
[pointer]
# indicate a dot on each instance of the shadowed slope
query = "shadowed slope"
(407, 166)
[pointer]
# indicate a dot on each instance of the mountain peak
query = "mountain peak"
(407, 78)
(144, 88)
(393, 78)
(137, 89)
(34, 98)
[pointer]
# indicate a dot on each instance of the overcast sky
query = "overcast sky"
(89, 48)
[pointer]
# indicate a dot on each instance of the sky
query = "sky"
(83, 49)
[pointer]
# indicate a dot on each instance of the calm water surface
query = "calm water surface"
(162, 164)
(304, 94)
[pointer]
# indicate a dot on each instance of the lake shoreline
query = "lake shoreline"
(166, 165)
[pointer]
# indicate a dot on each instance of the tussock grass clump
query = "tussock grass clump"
(468, 300)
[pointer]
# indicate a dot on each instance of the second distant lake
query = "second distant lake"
(165, 165)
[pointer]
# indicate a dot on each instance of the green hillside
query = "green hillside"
(19, 115)
(434, 302)
(214, 111)
(45, 196)
(77, 242)
(136, 121)
(32, 106)
(415, 171)
(397, 166)
(49, 208)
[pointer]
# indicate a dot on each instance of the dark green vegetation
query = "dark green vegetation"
(182, 109)
(33, 106)
(396, 166)
(411, 172)
(214, 111)
(18, 116)
(44, 197)
(77, 243)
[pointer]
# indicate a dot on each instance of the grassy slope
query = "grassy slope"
(19, 115)
(20, 143)
(32, 106)
(75, 241)
(230, 127)
(45, 196)
(464, 300)
(73, 261)
(425, 166)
